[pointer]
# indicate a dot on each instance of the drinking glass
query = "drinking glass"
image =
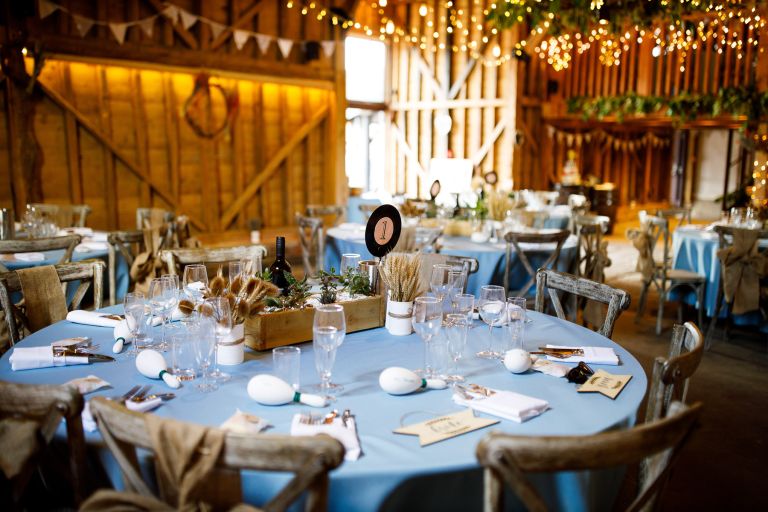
(183, 355)
(235, 271)
(134, 306)
(456, 279)
(465, 305)
(752, 219)
(515, 325)
(439, 282)
(218, 308)
(328, 331)
(162, 299)
(252, 265)
(195, 282)
(456, 328)
(737, 216)
(286, 363)
(349, 262)
(491, 306)
(427, 319)
(203, 334)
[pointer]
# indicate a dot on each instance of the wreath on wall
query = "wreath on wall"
(200, 100)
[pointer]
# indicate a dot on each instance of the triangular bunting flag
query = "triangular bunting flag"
(328, 47)
(187, 19)
(46, 8)
(285, 46)
(216, 29)
(263, 42)
(240, 37)
(172, 13)
(118, 30)
(83, 24)
(147, 25)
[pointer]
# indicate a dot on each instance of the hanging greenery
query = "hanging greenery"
(736, 101)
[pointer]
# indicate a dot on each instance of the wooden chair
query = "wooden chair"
(654, 231)
(309, 458)
(335, 210)
(129, 244)
(312, 243)
(38, 410)
(177, 259)
(428, 260)
(676, 216)
(87, 272)
(671, 375)
(367, 210)
(64, 215)
(507, 458)
(725, 241)
(65, 243)
(514, 239)
(554, 282)
(589, 229)
(146, 217)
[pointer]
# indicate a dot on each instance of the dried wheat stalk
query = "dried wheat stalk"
(401, 273)
(498, 205)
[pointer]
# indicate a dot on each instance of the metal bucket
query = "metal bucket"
(371, 269)
(7, 228)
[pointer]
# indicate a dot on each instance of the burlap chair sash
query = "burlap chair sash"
(44, 300)
(742, 267)
(116, 501)
(20, 440)
(644, 245)
(148, 264)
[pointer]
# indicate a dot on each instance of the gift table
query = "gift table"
(394, 473)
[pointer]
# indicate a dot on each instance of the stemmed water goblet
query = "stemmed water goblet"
(162, 298)
(465, 305)
(134, 307)
(456, 279)
(456, 328)
(427, 319)
(439, 282)
(236, 272)
(492, 312)
(202, 329)
(516, 319)
(328, 331)
(218, 309)
(195, 282)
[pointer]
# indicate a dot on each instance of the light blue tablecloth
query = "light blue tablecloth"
(353, 208)
(53, 257)
(491, 257)
(394, 471)
(696, 249)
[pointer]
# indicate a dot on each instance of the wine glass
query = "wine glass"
(516, 318)
(195, 282)
(456, 328)
(438, 281)
(349, 262)
(252, 265)
(162, 299)
(328, 331)
(236, 269)
(218, 308)
(492, 311)
(465, 305)
(203, 332)
(456, 279)
(427, 319)
(134, 305)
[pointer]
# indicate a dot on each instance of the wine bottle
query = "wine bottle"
(279, 266)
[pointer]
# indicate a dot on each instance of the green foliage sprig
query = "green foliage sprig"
(298, 293)
(737, 101)
(328, 281)
(356, 283)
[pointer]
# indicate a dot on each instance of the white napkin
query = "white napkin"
(75, 231)
(594, 355)
(244, 423)
(505, 404)
(91, 246)
(29, 358)
(346, 435)
(98, 236)
(29, 256)
(80, 316)
(89, 423)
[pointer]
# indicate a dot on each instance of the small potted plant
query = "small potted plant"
(401, 274)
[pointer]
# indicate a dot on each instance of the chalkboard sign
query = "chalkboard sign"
(383, 230)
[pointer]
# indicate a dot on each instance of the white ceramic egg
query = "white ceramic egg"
(401, 381)
(151, 363)
(517, 360)
(270, 390)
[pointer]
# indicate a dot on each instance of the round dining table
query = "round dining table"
(394, 472)
(491, 257)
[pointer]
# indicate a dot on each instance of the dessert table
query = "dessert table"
(490, 256)
(394, 473)
(695, 248)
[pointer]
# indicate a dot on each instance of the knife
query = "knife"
(79, 355)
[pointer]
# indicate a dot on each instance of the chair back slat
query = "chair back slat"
(508, 458)
(177, 259)
(64, 215)
(327, 210)
(312, 241)
(676, 216)
(66, 243)
(514, 239)
(129, 244)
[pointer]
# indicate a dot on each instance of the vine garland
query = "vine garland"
(193, 104)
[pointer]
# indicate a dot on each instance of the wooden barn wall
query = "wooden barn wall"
(110, 124)
(430, 82)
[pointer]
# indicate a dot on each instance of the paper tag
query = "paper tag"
(445, 427)
(603, 382)
(88, 384)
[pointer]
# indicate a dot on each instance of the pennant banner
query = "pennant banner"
(118, 30)
(172, 13)
(147, 25)
(83, 24)
(240, 37)
(285, 46)
(46, 8)
(216, 29)
(328, 47)
(187, 19)
(263, 42)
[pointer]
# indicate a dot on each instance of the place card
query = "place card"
(606, 383)
(445, 427)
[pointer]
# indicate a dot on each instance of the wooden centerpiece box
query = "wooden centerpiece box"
(269, 330)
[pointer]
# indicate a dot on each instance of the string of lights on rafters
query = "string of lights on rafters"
(729, 25)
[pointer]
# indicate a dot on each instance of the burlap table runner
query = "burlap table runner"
(742, 267)
(44, 299)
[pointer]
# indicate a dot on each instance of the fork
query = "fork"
(127, 395)
(138, 397)
(162, 396)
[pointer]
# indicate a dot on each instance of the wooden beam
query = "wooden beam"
(129, 163)
(449, 104)
(246, 17)
(181, 31)
(489, 142)
(462, 78)
(271, 167)
(408, 151)
(428, 74)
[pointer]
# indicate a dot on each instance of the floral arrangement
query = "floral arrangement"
(401, 273)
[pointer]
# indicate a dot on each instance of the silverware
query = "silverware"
(481, 390)
(560, 353)
(462, 391)
(161, 396)
(128, 394)
(138, 397)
